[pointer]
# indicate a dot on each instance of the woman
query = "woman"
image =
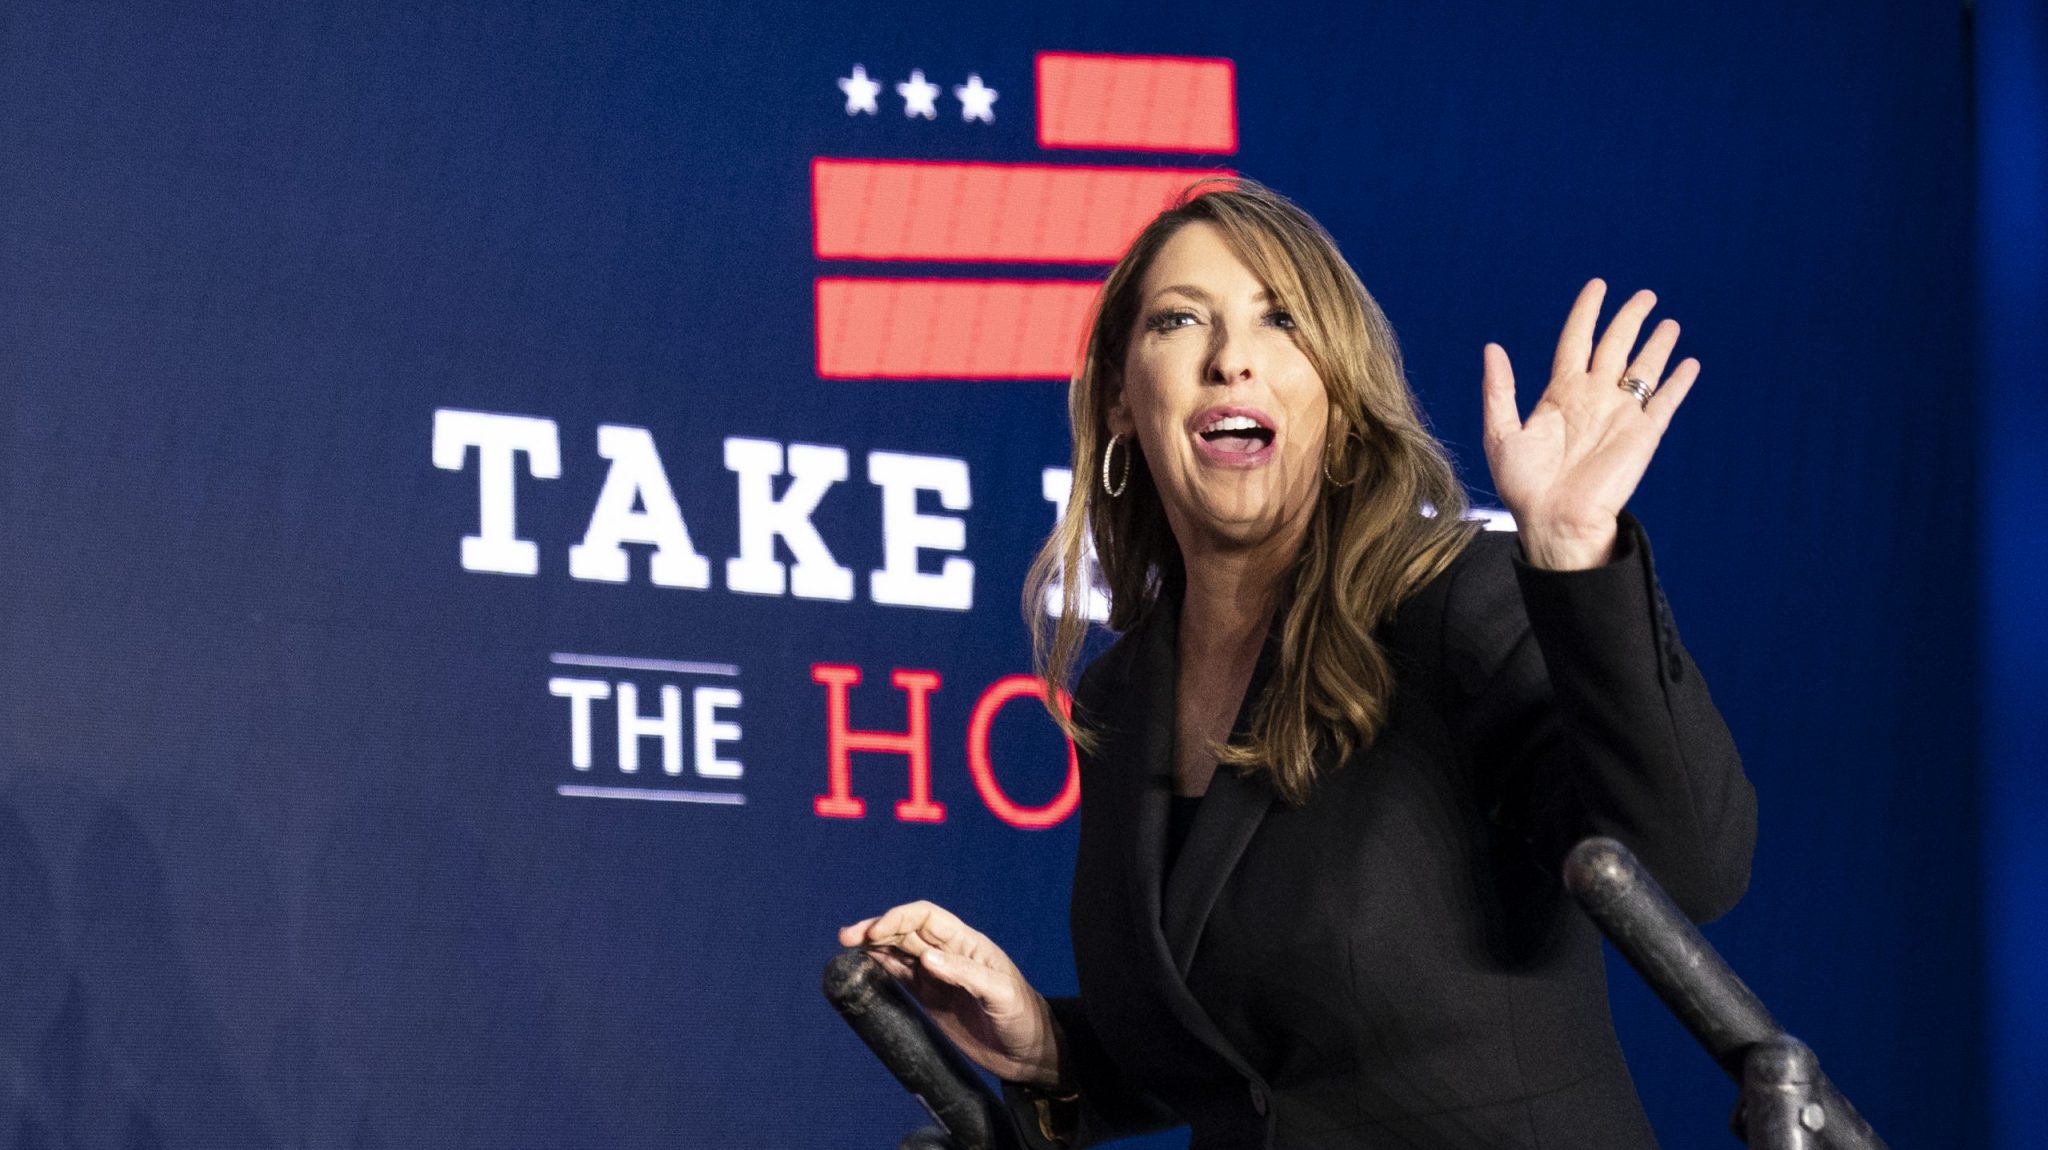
(1355, 935)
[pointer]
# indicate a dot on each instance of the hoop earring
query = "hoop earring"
(1332, 479)
(1125, 480)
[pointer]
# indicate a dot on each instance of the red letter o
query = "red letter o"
(978, 765)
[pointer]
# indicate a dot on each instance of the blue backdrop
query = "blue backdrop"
(308, 831)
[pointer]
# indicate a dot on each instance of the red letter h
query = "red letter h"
(841, 741)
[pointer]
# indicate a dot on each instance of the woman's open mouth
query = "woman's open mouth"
(1234, 436)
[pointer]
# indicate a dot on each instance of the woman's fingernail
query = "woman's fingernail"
(934, 958)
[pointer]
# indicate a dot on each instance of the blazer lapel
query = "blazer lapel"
(1226, 819)
(1139, 755)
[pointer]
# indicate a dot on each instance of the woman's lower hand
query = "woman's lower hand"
(969, 987)
(1567, 471)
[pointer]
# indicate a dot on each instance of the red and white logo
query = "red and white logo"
(986, 215)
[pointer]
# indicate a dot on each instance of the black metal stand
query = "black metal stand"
(1778, 1107)
(1787, 1103)
(969, 1115)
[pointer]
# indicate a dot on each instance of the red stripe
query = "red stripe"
(1012, 213)
(951, 329)
(1137, 103)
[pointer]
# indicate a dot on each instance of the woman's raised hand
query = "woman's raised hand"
(968, 986)
(1567, 471)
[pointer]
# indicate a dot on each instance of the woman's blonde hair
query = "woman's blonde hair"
(1387, 521)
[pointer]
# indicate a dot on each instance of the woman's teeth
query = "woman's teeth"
(1236, 433)
(1232, 423)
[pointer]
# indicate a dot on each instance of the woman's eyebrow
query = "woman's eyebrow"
(1188, 290)
(1200, 296)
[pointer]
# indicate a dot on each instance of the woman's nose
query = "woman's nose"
(1230, 358)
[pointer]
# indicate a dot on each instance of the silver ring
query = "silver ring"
(1639, 388)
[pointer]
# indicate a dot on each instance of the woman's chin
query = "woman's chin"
(1240, 527)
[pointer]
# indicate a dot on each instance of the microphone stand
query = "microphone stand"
(1787, 1103)
(969, 1115)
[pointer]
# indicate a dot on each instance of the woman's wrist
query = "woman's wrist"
(1569, 548)
(1050, 1072)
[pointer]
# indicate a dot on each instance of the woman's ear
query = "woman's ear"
(1119, 416)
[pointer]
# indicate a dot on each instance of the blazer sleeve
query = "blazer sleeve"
(1597, 721)
(1110, 1105)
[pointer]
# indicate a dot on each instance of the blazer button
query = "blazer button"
(1259, 1099)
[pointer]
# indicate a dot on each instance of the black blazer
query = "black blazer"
(1395, 963)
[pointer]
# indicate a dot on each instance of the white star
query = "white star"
(860, 92)
(976, 102)
(920, 96)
